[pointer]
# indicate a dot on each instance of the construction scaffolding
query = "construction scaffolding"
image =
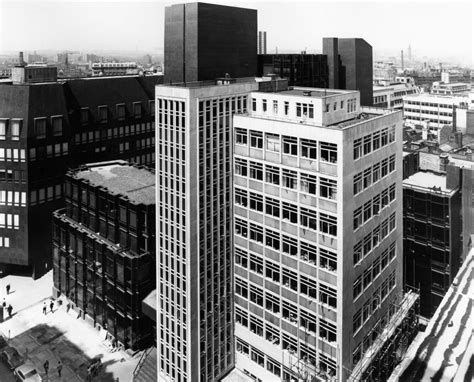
(388, 350)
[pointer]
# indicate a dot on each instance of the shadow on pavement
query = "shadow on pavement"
(46, 343)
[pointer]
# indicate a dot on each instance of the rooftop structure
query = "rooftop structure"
(134, 183)
(428, 180)
(450, 88)
(444, 351)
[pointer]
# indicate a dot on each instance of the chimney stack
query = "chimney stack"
(443, 161)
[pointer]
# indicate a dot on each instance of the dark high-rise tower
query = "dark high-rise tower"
(206, 41)
(354, 70)
(262, 42)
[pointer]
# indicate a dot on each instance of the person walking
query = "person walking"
(51, 306)
(4, 303)
(46, 366)
(59, 368)
(8, 289)
(44, 308)
(10, 309)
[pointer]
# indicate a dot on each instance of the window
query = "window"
(256, 262)
(275, 106)
(357, 183)
(308, 286)
(308, 148)
(357, 321)
(289, 178)
(376, 172)
(103, 117)
(15, 129)
(357, 289)
(328, 224)
(328, 295)
(272, 142)
(240, 167)
(290, 145)
(272, 207)
(367, 144)
(3, 129)
(391, 163)
(137, 109)
(327, 260)
(289, 212)
(255, 201)
(290, 279)
(274, 367)
(40, 128)
(327, 188)
(328, 152)
(308, 218)
(272, 239)
(272, 271)
(357, 253)
(289, 312)
(241, 227)
(256, 139)
(308, 183)
(327, 330)
(290, 245)
(357, 148)
(240, 136)
(256, 295)
(121, 111)
(308, 252)
(256, 326)
(264, 105)
(391, 134)
(241, 288)
(241, 197)
(367, 179)
(256, 170)
(287, 107)
(272, 303)
(272, 174)
(151, 105)
(376, 140)
(241, 257)
(254, 104)
(241, 316)
(84, 116)
(384, 137)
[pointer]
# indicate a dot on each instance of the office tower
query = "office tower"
(206, 41)
(300, 69)
(48, 126)
(194, 228)
(104, 248)
(262, 42)
(432, 231)
(355, 66)
(318, 218)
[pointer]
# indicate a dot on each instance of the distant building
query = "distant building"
(47, 127)
(62, 58)
(432, 233)
(300, 69)
(114, 68)
(450, 88)
(390, 94)
(206, 41)
(350, 66)
(104, 248)
(262, 42)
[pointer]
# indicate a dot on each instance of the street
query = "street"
(6, 375)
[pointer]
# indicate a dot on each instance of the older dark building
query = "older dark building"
(309, 70)
(350, 66)
(206, 41)
(104, 248)
(47, 127)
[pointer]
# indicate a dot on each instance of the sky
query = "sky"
(437, 29)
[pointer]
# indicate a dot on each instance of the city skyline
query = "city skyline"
(139, 26)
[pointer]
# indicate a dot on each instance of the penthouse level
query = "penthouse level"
(50, 126)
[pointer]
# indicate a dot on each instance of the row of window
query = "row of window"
(373, 174)
(286, 178)
(433, 112)
(43, 195)
(10, 128)
(372, 142)
(371, 273)
(41, 123)
(305, 148)
(374, 206)
(48, 151)
(373, 303)
(4, 242)
(10, 221)
(12, 155)
(432, 120)
(325, 294)
(443, 105)
(121, 111)
(307, 218)
(371, 336)
(370, 241)
(115, 132)
(14, 176)
(279, 274)
(12, 198)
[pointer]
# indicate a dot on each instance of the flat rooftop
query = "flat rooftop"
(118, 177)
(427, 180)
(314, 92)
(444, 351)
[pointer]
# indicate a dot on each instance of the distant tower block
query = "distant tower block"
(403, 63)
(262, 42)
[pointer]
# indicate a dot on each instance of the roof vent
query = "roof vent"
(307, 93)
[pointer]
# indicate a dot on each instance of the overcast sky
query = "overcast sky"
(439, 29)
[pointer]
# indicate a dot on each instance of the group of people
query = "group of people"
(4, 303)
(51, 307)
(59, 368)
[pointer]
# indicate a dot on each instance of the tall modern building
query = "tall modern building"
(206, 41)
(104, 248)
(48, 126)
(309, 70)
(318, 239)
(350, 66)
(262, 42)
(195, 228)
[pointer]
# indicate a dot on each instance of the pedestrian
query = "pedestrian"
(51, 306)
(10, 309)
(46, 366)
(8, 289)
(44, 307)
(60, 367)
(4, 303)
